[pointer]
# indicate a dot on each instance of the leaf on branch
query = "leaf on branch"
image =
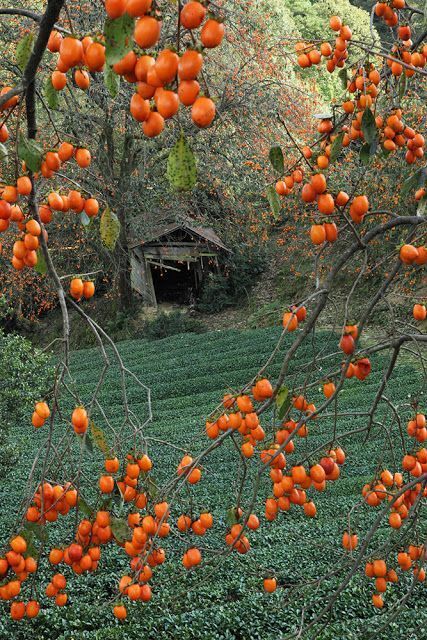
(117, 497)
(109, 229)
(23, 50)
(85, 508)
(369, 128)
(41, 266)
(106, 504)
(88, 443)
(111, 81)
(336, 147)
(84, 219)
(422, 207)
(120, 529)
(276, 159)
(364, 155)
(181, 168)
(273, 200)
(3, 152)
(324, 116)
(118, 37)
(152, 488)
(39, 531)
(30, 152)
(232, 516)
(415, 181)
(283, 402)
(31, 548)
(52, 96)
(403, 85)
(99, 438)
(367, 152)
(343, 76)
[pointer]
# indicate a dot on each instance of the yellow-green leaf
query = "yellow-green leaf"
(99, 438)
(181, 170)
(120, 529)
(118, 37)
(23, 50)
(109, 229)
(51, 95)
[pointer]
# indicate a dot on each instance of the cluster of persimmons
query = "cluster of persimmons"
(387, 486)
(164, 78)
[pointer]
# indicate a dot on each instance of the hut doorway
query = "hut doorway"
(175, 282)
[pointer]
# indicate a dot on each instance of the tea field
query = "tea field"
(188, 375)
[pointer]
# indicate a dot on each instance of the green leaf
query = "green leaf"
(152, 488)
(51, 95)
(276, 159)
(283, 402)
(111, 81)
(364, 155)
(181, 168)
(415, 181)
(85, 508)
(369, 128)
(32, 550)
(343, 76)
(28, 535)
(31, 152)
(324, 116)
(403, 85)
(109, 229)
(39, 531)
(232, 516)
(84, 219)
(106, 504)
(3, 152)
(41, 266)
(273, 200)
(336, 147)
(99, 438)
(117, 497)
(87, 440)
(120, 529)
(422, 207)
(118, 38)
(367, 151)
(24, 50)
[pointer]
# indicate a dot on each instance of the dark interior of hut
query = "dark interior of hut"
(174, 283)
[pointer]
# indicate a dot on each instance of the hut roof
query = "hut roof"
(206, 233)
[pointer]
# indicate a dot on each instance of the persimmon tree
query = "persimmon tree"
(266, 421)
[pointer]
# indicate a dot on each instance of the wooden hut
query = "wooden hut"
(170, 263)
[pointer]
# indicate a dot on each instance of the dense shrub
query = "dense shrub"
(170, 324)
(268, 315)
(25, 373)
(215, 294)
(238, 275)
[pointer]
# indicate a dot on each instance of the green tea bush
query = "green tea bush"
(170, 324)
(25, 373)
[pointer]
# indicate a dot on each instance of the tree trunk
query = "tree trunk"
(123, 261)
(122, 250)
